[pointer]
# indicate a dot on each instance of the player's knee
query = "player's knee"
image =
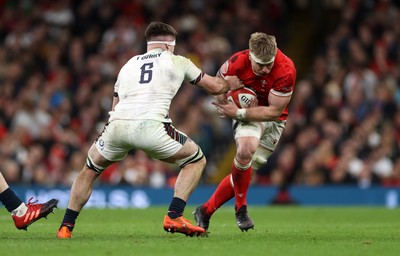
(94, 167)
(244, 154)
(260, 158)
(203, 162)
(198, 157)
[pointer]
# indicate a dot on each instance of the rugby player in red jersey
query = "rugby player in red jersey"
(257, 130)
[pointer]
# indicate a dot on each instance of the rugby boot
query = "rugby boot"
(243, 220)
(181, 225)
(201, 218)
(64, 233)
(35, 212)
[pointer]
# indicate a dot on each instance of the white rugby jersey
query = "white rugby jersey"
(147, 83)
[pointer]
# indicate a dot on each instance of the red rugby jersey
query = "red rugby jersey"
(280, 81)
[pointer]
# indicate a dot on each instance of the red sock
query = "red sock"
(222, 194)
(241, 175)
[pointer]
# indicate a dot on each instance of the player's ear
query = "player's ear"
(171, 48)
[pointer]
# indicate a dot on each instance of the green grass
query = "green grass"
(278, 231)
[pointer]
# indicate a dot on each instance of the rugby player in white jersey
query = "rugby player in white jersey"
(143, 92)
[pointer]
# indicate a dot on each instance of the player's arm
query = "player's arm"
(218, 85)
(211, 84)
(277, 105)
(222, 72)
(259, 113)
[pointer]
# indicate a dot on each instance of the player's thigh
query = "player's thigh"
(121, 136)
(159, 140)
(113, 143)
(169, 144)
(268, 143)
(177, 148)
(247, 129)
(271, 134)
(97, 159)
(188, 149)
(247, 136)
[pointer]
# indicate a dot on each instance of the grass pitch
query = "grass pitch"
(278, 231)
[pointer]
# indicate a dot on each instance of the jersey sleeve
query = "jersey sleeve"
(283, 86)
(192, 73)
(230, 67)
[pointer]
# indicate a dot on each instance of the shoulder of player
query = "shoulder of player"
(239, 61)
(184, 64)
(239, 57)
(284, 61)
(179, 58)
(283, 66)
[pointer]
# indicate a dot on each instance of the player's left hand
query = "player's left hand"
(234, 82)
(226, 109)
(253, 103)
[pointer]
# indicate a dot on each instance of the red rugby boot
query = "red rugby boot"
(181, 225)
(64, 233)
(35, 212)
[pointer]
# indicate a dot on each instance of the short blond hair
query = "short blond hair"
(263, 46)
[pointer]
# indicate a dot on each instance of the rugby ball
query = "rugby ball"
(241, 97)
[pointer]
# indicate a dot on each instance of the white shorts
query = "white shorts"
(268, 133)
(159, 140)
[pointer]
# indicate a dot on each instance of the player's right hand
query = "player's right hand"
(222, 99)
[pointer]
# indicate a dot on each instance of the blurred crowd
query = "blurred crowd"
(59, 61)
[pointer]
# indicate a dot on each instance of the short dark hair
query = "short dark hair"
(157, 28)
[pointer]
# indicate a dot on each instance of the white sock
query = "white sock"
(20, 210)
